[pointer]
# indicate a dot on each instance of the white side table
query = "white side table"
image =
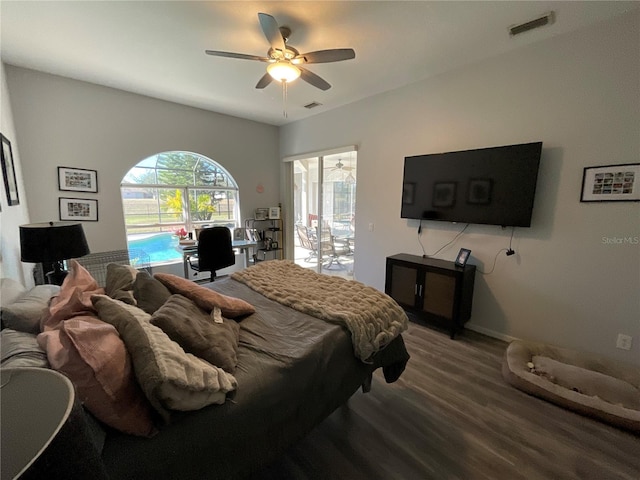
(44, 431)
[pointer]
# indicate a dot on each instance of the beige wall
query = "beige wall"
(580, 95)
(64, 122)
(11, 217)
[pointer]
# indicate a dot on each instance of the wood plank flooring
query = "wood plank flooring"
(452, 416)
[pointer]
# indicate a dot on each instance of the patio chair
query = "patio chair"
(308, 241)
(333, 248)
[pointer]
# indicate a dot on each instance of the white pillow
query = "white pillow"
(25, 313)
(10, 291)
(21, 349)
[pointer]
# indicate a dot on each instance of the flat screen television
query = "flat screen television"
(494, 186)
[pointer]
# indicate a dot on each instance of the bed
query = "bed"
(293, 370)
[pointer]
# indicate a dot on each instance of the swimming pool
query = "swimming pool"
(161, 247)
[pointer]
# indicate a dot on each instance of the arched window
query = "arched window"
(173, 190)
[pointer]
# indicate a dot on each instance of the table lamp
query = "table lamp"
(52, 242)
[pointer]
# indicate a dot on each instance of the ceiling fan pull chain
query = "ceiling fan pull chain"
(284, 98)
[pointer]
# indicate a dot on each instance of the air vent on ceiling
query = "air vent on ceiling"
(312, 105)
(546, 19)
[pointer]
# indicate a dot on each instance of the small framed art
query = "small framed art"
(262, 214)
(9, 173)
(463, 256)
(79, 209)
(274, 213)
(77, 180)
(611, 183)
(238, 234)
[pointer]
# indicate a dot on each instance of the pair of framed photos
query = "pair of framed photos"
(270, 213)
(78, 180)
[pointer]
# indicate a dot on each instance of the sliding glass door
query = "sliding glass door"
(324, 205)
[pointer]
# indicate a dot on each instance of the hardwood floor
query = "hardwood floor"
(452, 416)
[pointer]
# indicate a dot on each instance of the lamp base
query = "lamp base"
(57, 276)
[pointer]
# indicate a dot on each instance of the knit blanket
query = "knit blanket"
(373, 318)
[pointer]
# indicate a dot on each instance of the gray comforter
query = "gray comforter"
(293, 371)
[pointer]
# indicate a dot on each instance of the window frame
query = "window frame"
(185, 217)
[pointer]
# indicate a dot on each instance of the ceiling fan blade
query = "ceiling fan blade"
(271, 31)
(241, 56)
(264, 81)
(314, 79)
(326, 56)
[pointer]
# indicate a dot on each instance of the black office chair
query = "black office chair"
(214, 251)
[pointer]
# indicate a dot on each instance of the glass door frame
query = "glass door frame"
(290, 192)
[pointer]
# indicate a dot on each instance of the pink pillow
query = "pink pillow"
(74, 297)
(91, 353)
(205, 298)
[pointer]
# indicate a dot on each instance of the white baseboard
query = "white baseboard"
(490, 333)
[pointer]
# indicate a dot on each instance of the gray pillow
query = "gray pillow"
(215, 341)
(170, 378)
(120, 280)
(20, 349)
(25, 313)
(150, 294)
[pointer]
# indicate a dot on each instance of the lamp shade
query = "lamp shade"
(52, 242)
(283, 71)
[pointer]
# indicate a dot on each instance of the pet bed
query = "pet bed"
(585, 383)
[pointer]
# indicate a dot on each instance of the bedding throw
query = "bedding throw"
(373, 318)
(170, 378)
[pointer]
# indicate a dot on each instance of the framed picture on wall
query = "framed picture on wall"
(611, 183)
(77, 180)
(79, 209)
(9, 173)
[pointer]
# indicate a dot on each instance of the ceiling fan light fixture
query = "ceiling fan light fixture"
(283, 71)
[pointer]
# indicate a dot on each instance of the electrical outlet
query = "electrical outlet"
(624, 341)
(371, 227)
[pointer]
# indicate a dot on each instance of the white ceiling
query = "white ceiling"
(157, 48)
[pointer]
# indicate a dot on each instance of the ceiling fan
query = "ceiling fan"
(341, 166)
(285, 62)
(343, 172)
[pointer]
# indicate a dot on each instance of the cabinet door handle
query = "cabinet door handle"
(420, 291)
(415, 289)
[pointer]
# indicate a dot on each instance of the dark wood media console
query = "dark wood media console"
(432, 288)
